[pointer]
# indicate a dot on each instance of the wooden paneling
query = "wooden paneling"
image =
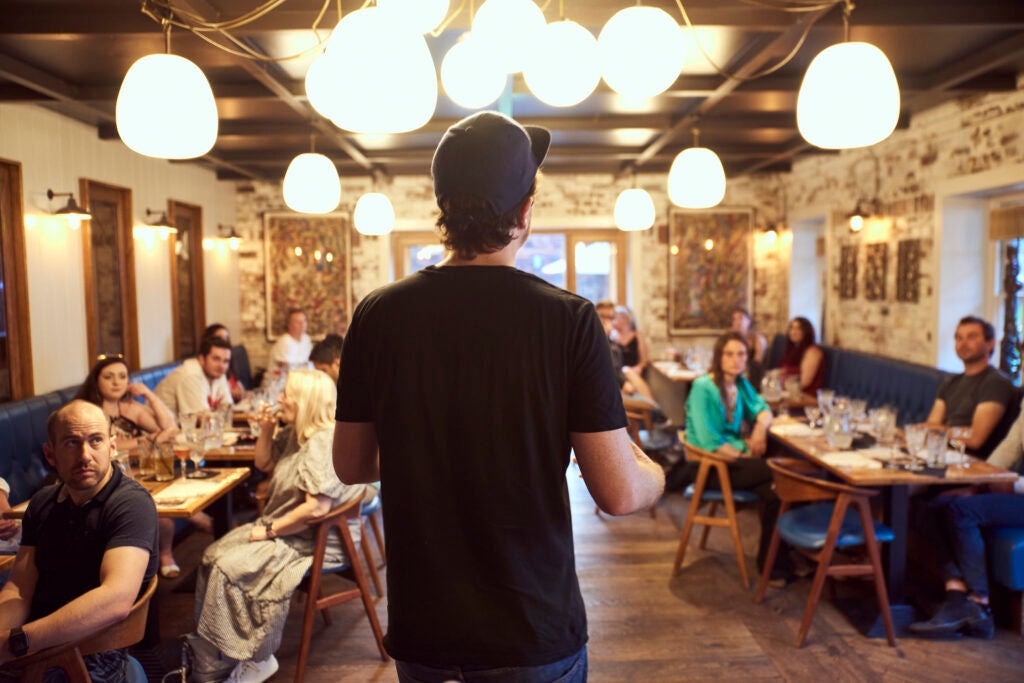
(15, 281)
(187, 328)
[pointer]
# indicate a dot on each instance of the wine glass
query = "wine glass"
(813, 414)
(191, 429)
(958, 437)
(884, 420)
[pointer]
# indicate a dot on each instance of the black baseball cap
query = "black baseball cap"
(490, 156)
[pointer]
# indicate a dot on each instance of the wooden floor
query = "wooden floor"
(647, 626)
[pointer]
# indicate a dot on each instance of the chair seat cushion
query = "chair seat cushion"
(806, 527)
(738, 495)
(371, 507)
(1006, 556)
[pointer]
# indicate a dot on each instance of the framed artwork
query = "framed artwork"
(908, 270)
(308, 266)
(709, 269)
(848, 271)
(875, 268)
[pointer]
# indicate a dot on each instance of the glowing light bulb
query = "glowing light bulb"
(641, 51)
(634, 210)
(311, 184)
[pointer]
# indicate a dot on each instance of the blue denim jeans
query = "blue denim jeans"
(968, 516)
(572, 669)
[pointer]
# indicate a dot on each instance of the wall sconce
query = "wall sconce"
(71, 210)
(160, 224)
(228, 233)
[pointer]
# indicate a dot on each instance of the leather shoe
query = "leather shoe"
(957, 614)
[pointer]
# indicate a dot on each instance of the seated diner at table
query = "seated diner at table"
(961, 546)
(802, 357)
(632, 383)
(743, 323)
(221, 331)
(724, 414)
(246, 579)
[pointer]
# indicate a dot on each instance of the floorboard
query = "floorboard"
(646, 625)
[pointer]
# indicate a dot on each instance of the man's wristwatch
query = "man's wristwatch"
(17, 642)
(268, 524)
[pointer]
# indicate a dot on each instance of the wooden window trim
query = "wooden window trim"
(15, 260)
(197, 257)
(125, 272)
(400, 241)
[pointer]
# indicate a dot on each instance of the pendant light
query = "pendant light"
(696, 179)
(421, 16)
(470, 79)
(641, 51)
(509, 29)
(186, 130)
(634, 209)
(562, 69)
(382, 72)
(374, 214)
(849, 96)
(311, 183)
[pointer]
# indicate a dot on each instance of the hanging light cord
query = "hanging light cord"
(781, 63)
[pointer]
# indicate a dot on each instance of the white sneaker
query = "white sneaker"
(250, 671)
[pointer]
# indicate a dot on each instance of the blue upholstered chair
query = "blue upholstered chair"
(698, 494)
(836, 516)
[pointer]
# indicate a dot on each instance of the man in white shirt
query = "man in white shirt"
(199, 383)
(292, 350)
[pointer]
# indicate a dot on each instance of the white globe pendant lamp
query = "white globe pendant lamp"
(374, 214)
(320, 90)
(641, 52)
(562, 69)
(696, 179)
(634, 210)
(469, 77)
(183, 131)
(311, 184)
(383, 73)
(421, 16)
(849, 97)
(508, 29)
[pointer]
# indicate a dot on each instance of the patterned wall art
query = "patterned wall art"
(709, 269)
(848, 271)
(308, 266)
(909, 254)
(877, 257)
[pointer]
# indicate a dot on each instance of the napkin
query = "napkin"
(850, 459)
(794, 429)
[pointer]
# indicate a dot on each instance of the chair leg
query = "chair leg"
(309, 614)
(684, 537)
(825, 559)
(371, 564)
(378, 536)
(876, 565)
(325, 613)
(769, 560)
(712, 509)
(371, 610)
(734, 527)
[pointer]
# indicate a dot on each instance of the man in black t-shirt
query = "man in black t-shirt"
(980, 397)
(474, 380)
(88, 547)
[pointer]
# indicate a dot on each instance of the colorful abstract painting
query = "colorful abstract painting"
(709, 269)
(308, 266)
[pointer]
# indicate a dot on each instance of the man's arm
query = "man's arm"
(191, 394)
(16, 596)
(986, 416)
(356, 457)
(619, 476)
(121, 574)
(938, 414)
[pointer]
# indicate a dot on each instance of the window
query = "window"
(187, 298)
(15, 341)
(591, 263)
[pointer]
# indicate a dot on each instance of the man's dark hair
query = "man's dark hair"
(468, 226)
(327, 350)
(210, 343)
(987, 330)
(213, 329)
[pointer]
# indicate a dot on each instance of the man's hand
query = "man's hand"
(8, 528)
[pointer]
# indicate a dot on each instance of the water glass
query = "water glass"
(858, 408)
(958, 439)
(935, 445)
(813, 414)
(839, 429)
(914, 435)
(163, 463)
(825, 398)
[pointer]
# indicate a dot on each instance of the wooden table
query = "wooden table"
(894, 486)
(244, 453)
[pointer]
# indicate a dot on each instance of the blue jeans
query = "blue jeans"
(968, 515)
(572, 669)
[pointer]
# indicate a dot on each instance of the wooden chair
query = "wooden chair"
(816, 530)
(371, 511)
(335, 520)
(638, 416)
(68, 657)
(698, 493)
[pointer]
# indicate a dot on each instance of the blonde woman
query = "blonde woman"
(247, 578)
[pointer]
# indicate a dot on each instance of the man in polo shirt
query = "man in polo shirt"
(980, 396)
(199, 383)
(475, 379)
(88, 547)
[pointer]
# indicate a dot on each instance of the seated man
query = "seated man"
(291, 350)
(88, 547)
(979, 397)
(965, 607)
(199, 383)
(326, 355)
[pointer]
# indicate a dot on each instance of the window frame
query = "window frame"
(15, 274)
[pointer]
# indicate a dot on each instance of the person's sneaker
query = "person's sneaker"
(956, 614)
(251, 671)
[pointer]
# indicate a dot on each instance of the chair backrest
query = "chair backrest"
(696, 454)
(338, 519)
(798, 481)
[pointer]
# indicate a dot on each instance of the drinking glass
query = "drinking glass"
(914, 435)
(838, 429)
(163, 463)
(146, 455)
(825, 398)
(935, 444)
(813, 414)
(858, 407)
(958, 439)
(884, 426)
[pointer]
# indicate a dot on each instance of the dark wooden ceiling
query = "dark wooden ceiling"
(71, 56)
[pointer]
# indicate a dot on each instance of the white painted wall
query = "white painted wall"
(962, 254)
(55, 152)
(806, 291)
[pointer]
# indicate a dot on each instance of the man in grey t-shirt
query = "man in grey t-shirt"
(979, 397)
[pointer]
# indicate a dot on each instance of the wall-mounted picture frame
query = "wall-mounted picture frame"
(876, 268)
(309, 266)
(710, 268)
(848, 271)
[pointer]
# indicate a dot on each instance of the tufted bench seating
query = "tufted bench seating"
(23, 432)
(1005, 546)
